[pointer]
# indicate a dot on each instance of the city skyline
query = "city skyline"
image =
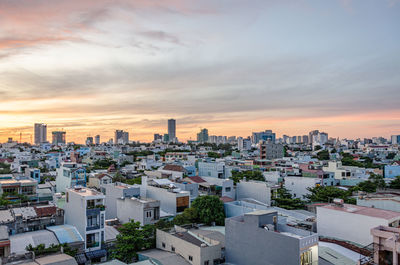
(91, 67)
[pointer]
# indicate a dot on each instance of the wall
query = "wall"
(346, 226)
(385, 204)
(392, 171)
(297, 186)
(256, 190)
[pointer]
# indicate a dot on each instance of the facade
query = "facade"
(143, 210)
(194, 248)
(113, 192)
(99, 180)
(84, 209)
(212, 169)
(267, 135)
(14, 187)
(97, 139)
(386, 246)
(70, 175)
(258, 238)
(244, 143)
(58, 137)
(257, 190)
(269, 151)
(33, 173)
(172, 130)
(89, 140)
(121, 137)
(395, 139)
(392, 171)
(355, 222)
(202, 136)
(40, 133)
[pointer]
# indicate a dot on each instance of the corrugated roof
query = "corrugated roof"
(19, 242)
(110, 233)
(26, 212)
(6, 216)
(66, 233)
(45, 210)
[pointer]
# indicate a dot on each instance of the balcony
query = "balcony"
(93, 227)
(92, 244)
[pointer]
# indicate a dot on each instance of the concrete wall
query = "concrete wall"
(167, 199)
(133, 209)
(385, 204)
(297, 186)
(113, 193)
(256, 190)
(186, 249)
(347, 226)
(247, 244)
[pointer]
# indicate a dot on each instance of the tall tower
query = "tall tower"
(172, 129)
(40, 131)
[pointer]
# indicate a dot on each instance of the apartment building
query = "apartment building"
(270, 150)
(194, 248)
(143, 210)
(70, 175)
(85, 209)
(258, 238)
(14, 187)
(212, 169)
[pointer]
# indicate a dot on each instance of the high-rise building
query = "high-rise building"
(58, 137)
(158, 137)
(311, 135)
(202, 136)
(121, 137)
(172, 130)
(267, 135)
(89, 140)
(395, 139)
(40, 133)
(97, 139)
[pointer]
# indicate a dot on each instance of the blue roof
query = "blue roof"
(66, 233)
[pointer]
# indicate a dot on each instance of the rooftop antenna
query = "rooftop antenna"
(20, 137)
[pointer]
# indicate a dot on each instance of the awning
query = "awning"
(96, 254)
(81, 258)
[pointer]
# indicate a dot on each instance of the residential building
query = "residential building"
(244, 143)
(386, 249)
(99, 180)
(195, 248)
(257, 190)
(15, 186)
(70, 175)
(84, 209)
(116, 190)
(89, 140)
(212, 169)
(355, 221)
(33, 173)
(267, 135)
(40, 133)
(158, 137)
(143, 210)
(58, 137)
(97, 139)
(260, 238)
(121, 137)
(395, 139)
(392, 171)
(270, 150)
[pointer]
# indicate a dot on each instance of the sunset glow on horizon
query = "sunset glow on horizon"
(233, 67)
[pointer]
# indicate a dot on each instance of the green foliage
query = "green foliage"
(133, 181)
(213, 155)
(103, 164)
(328, 193)
(249, 175)
(41, 249)
(285, 200)
(367, 186)
(395, 184)
(323, 155)
(317, 147)
(189, 216)
(209, 209)
(4, 199)
(5, 168)
(133, 238)
(378, 180)
(348, 160)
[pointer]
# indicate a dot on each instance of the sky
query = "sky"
(231, 66)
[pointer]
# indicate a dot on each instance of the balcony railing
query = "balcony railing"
(92, 245)
(93, 227)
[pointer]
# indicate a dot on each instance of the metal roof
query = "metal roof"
(66, 233)
(6, 216)
(26, 212)
(19, 242)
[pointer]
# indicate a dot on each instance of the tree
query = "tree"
(378, 180)
(189, 216)
(328, 193)
(367, 186)
(133, 238)
(323, 155)
(285, 200)
(209, 209)
(395, 184)
(248, 174)
(391, 155)
(317, 147)
(213, 155)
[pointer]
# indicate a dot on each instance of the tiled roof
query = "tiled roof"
(45, 210)
(226, 199)
(197, 179)
(174, 168)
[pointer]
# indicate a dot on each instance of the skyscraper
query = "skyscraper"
(172, 129)
(97, 139)
(202, 136)
(40, 133)
(58, 137)
(121, 137)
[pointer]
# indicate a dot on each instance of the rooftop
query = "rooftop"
(366, 211)
(86, 192)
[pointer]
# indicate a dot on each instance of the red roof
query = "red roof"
(197, 179)
(46, 211)
(225, 199)
(367, 211)
(174, 168)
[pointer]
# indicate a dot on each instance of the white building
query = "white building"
(212, 169)
(352, 222)
(257, 190)
(143, 210)
(40, 133)
(70, 175)
(298, 186)
(84, 209)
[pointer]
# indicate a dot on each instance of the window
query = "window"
(227, 189)
(148, 214)
(172, 248)
(190, 258)
(163, 244)
(27, 190)
(206, 262)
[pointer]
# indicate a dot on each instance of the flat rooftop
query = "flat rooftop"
(86, 192)
(366, 211)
